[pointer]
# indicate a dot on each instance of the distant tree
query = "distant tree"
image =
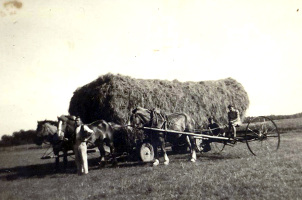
(6, 140)
(18, 138)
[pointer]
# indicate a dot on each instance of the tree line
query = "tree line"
(277, 117)
(18, 138)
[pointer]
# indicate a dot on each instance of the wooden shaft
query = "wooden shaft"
(196, 135)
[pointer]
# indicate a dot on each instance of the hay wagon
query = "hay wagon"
(260, 134)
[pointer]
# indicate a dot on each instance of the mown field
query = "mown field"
(232, 174)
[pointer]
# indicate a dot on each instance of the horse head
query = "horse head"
(45, 131)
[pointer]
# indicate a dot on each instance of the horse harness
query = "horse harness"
(155, 119)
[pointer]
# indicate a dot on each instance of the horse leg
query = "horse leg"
(102, 154)
(112, 152)
(65, 160)
(57, 159)
(156, 161)
(163, 149)
(192, 146)
(57, 162)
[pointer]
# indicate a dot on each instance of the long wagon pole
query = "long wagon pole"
(196, 135)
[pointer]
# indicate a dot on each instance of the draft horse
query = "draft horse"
(103, 133)
(46, 132)
(142, 117)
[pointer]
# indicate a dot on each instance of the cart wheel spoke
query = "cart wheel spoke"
(217, 147)
(262, 136)
(272, 136)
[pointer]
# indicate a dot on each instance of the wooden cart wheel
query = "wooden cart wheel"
(219, 145)
(146, 152)
(262, 136)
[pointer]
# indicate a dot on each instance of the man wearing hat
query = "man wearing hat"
(234, 119)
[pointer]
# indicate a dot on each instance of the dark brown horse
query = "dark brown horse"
(46, 132)
(142, 117)
(103, 133)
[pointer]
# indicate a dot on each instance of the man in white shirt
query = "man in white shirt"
(82, 134)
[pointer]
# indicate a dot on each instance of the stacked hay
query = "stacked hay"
(112, 97)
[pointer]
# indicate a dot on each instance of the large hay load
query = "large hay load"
(112, 97)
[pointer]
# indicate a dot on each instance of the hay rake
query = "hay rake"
(260, 134)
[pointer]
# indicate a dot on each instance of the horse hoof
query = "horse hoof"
(156, 162)
(193, 160)
(166, 162)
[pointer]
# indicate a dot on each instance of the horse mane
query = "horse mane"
(55, 123)
(142, 110)
(66, 117)
(115, 126)
(138, 108)
(51, 125)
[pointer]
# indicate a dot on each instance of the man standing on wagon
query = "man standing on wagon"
(234, 119)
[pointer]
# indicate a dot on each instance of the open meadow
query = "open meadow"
(233, 174)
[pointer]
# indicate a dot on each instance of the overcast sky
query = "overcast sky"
(50, 48)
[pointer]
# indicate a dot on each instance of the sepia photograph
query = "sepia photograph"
(150, 99)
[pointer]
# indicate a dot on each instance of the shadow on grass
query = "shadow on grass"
(48, 170)
(217, 156)
(208, 156)
(40, 170)
(34, 171)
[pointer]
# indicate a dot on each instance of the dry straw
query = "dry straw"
(112, 97)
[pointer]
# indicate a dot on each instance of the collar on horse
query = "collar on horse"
(157, 117)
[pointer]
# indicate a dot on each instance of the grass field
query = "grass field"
(232, 174)
(289, 124)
